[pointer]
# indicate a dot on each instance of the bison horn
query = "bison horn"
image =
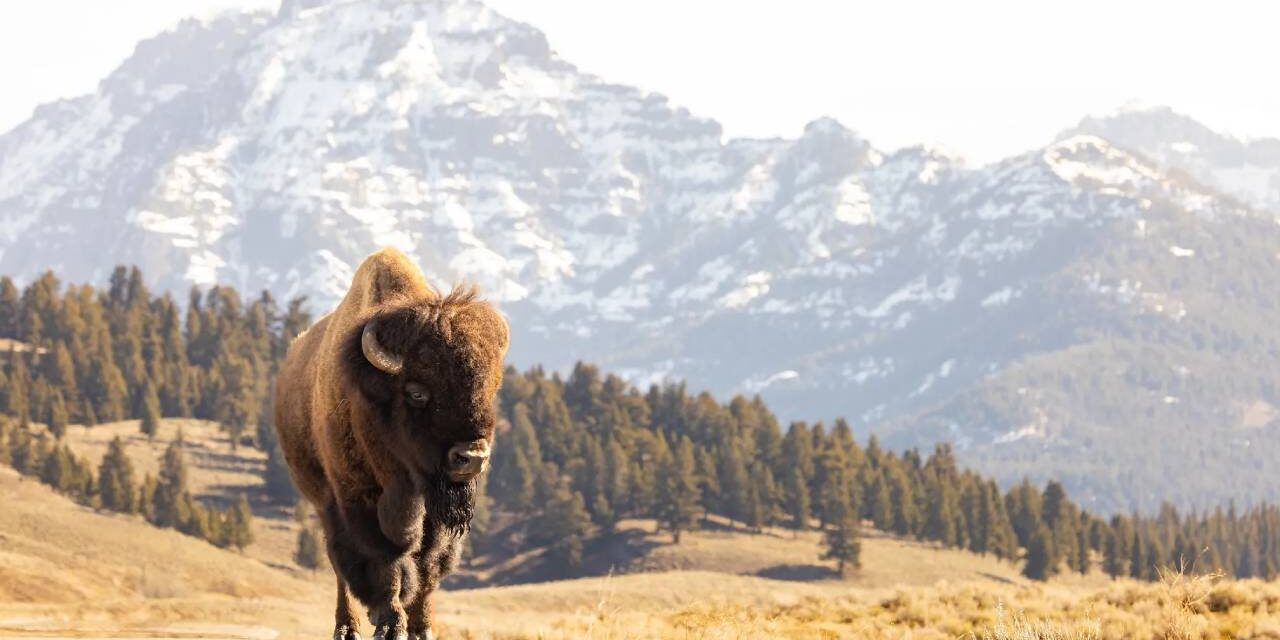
(376, 354)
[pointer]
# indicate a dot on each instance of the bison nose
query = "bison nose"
(467, 459)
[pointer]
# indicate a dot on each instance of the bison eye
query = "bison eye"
(416, 394)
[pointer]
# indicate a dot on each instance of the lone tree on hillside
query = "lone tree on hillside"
(843, 543)
(115, 479)
(842, 540)
(308, 553)
(150, 424)
(240, 523)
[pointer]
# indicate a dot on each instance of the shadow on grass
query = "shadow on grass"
(798, 572)
(601, 556)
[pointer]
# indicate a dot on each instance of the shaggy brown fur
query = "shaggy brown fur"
(371, 455)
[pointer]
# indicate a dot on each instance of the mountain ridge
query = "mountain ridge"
(901, 287)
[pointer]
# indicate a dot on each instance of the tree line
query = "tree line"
(164, 501)
(577, 453)
(125, 353)
(580, 452)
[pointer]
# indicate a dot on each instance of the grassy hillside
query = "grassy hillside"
(67, 571)
(775, 553)
(217, 473)
(60, 562)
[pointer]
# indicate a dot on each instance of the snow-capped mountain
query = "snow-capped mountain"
(1248, 170)
(901, 288)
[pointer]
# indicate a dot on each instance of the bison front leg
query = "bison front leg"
(401, 511)
(345, 626)
(434, 561)
(372, 567)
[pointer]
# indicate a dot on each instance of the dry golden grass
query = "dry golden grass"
(709, 605)
(66, 571)
(786, 555)
(65, 568)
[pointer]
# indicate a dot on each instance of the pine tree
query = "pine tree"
(678, 491)
(1041, 563)
(842, 539)
(797, 496)
(57, 469)
(1153, 561)
(200, 522)
(940, 513)
(87, 416)
(903, 497)
(616, 480)
(279, 484)
(590, 482)
(171, 504)
(237, 394)
(1023, 504)
(1003, 541)
(565, 524)
(308, 554)
(240, 523)
(115, 479)
(835, 488)
(1059, 516)
(103, 383)
(150, 406)
(61, 373)
(58, 417)
(878, 503)
(18, 390)
(23, 455)
(1137, 556)
(514, 465)
(798, 459)
(761, 497)
(708, 482)
(1082, 560)
(10, 308)
(643, 475)
(147, 498)
(734, 483)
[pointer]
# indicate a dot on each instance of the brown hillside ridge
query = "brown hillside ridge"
(66, 571)
(217, 472)
(386, 413)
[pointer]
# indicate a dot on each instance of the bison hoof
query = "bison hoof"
(422, 635)
(388, 632)
(343, 632)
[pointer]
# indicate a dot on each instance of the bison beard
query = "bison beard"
(452, 504)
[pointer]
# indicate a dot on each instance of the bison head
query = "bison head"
(428, 374)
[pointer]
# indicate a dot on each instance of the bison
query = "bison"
(386, 410)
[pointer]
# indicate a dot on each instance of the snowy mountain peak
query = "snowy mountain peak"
(277, 151)
(1246, 170)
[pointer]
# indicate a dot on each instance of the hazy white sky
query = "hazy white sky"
(983, 78)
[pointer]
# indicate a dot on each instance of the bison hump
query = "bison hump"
(386, 276)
